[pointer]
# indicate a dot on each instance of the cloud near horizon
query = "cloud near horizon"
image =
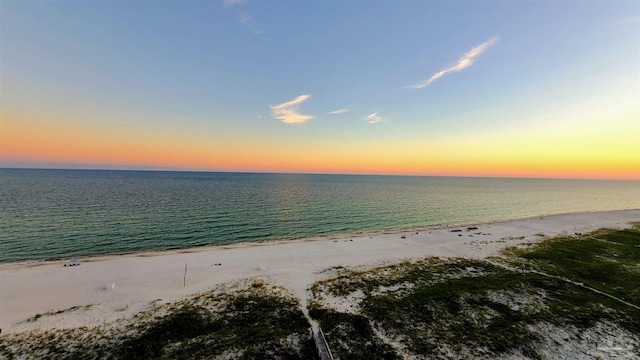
(288, 112)
(339, 111)
(464, 62)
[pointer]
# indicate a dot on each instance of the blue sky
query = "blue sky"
(317, 75)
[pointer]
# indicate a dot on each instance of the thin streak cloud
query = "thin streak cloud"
(289, 113)
(464, 62)
(339, 111)
(230, 3)
(373, 118)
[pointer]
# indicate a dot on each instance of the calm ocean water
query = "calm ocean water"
(48, 214)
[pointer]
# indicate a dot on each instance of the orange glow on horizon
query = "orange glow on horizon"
(27, 140)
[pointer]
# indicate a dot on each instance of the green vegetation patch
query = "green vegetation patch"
(351, 336)
(607, 260)
(465, 308)
(247, 323)
(395, 277)
(449, 309)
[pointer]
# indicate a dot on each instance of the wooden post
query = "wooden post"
(185, 275)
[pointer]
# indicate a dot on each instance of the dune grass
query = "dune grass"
(475, 308)
(605, 260)
(240, 323)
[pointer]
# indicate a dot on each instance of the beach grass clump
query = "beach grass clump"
(351, 336)
(243, 323)
(58, 312)
(395, 277)
(457, 314)
(492, 314)
(514, 306)
(448, 309)
(607, 260)
(76, 343)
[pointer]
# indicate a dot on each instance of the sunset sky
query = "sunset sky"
(503, 88)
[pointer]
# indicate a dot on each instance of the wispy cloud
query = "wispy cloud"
(630, 20)
(339, 111)
(245, 20)
(288, 112)
(464, 62)
(243, 17)
(374, 118)
(231, 3)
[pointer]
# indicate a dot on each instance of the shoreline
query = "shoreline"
(263, 242)
(80, 295)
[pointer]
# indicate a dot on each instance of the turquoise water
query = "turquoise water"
(49, 214)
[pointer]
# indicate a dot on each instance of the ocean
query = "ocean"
(54, 214)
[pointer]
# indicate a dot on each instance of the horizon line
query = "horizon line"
(142, 169)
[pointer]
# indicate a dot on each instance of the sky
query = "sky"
(461, 88)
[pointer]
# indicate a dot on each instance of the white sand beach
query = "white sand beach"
(142, 278)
